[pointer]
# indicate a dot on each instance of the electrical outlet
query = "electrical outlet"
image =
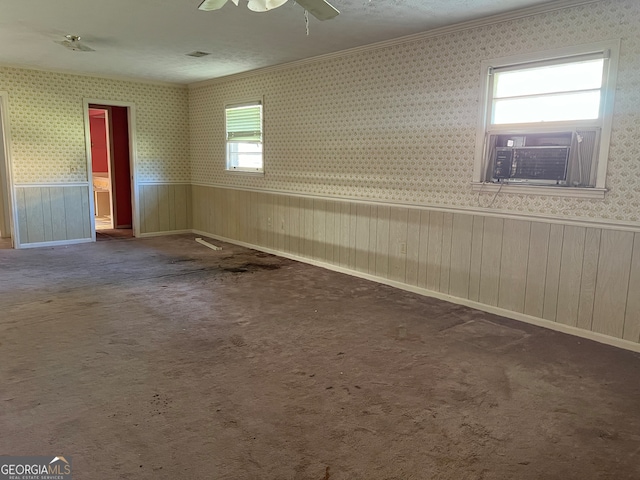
(269, 222)
(403, 248)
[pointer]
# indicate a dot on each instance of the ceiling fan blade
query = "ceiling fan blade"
(208, 5)
(264, 5)
(320, 9)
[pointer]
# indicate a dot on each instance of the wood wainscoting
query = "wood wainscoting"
(165, 208)
(51, 214)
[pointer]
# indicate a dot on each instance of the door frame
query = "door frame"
(133, 160)
(6, 173)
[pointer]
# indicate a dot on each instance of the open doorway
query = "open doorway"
(111, 170)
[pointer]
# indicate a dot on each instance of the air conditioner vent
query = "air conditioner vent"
(197, 54)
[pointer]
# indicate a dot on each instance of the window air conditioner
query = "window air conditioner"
(546, 165)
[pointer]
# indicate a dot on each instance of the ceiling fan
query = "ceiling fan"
(321, 9)
(72, 42)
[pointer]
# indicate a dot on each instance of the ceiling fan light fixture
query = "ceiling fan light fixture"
(264, 5)
(321, 9)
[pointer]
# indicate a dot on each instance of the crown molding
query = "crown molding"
(435, 32)
(119, 78)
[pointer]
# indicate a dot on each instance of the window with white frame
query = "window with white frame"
(546, 120)
(243, 125)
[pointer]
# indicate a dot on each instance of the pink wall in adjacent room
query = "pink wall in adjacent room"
(122, 172)
(99, 156)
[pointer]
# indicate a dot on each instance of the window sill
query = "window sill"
(575, 192)
(245, 172)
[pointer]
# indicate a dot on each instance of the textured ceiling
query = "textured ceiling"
(148, 39)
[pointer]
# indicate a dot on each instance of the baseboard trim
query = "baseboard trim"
(162, 234)
(539, 322)
(55, 243)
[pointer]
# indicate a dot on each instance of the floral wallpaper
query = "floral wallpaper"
(398, 123)
(47, 125)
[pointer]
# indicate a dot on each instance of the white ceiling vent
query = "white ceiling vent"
(197, 54)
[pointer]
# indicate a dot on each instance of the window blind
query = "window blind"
(244, 123)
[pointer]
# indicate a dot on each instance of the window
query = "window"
(546, 122)
(244, 137)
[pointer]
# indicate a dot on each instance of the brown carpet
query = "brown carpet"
(162, 359)
(114, 234)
